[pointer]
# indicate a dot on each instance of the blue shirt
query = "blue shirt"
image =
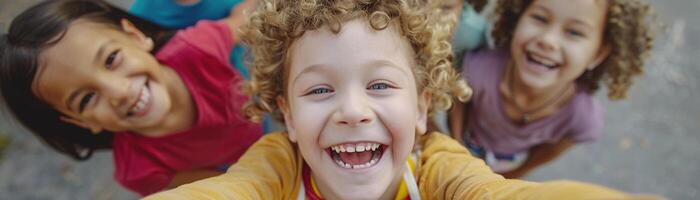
(170, 14)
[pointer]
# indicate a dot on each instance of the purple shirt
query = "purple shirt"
(487, 125)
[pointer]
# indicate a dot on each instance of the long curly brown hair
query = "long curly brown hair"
(276, 24)
(628, 32)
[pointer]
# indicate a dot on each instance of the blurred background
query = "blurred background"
(651, 142)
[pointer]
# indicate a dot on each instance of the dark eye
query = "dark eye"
(575, 33)
(378, 86)
(85, 100)
(539, 18)
(110, 59)
(319, 91)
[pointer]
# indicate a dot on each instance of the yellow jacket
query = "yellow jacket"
(271, 169)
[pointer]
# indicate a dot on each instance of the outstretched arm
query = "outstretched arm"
(448, 171)
(270, 169)
(182, 178)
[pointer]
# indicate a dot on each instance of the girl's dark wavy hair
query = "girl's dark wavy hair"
(37, 29)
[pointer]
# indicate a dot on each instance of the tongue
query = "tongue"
(356, 158)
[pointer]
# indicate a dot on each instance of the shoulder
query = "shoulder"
(434, 142)
(277, 139)
(209, 37)
(205, 33)
(484, 66)
(272, 148)
(206, 45)
(587, 117)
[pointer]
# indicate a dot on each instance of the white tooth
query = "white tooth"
(347, 166)
(333, 148)
(371, 162)
(374, 146)
(342, 149)
(139, 106)
(360, 148)
(350, 149)
(340, 163)
(135, 108)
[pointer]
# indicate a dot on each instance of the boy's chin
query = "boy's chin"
(372, 191)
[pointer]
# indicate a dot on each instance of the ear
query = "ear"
(422, 120)
(286, 113)
(601, 55)
(86, 125)
(141, 39)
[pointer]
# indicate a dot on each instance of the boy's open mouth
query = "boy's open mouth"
(357, 155)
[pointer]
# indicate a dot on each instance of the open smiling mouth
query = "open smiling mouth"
(356, 156)
(138, 108)
(541, 61)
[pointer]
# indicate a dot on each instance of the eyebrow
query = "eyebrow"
(103, 48)
(541, 7)
(576, 21)
(387, 63)
(373, 63)
(583, 23)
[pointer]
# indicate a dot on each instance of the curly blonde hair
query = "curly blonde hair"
(276, 24)
(628, 32)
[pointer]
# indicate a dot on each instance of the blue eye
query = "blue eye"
(378, 86)
(85, 100)
(318, 91)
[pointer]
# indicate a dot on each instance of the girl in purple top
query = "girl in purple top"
(533, 96)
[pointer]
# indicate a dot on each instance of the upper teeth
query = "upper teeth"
(141, 103)
(360, 147)
(543, 61)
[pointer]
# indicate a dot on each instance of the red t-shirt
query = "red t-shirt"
(220, 135)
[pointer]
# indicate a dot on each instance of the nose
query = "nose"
(114, 89)
(354, 110)
(547, 40)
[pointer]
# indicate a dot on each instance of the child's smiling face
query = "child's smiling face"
(555, 41)
(354, 91)
(103, 78)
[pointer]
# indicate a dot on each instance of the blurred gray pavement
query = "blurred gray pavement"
(650, 145)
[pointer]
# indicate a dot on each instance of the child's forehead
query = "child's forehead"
(356, 44)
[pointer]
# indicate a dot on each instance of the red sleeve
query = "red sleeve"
(212, 37)
(135, 171)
